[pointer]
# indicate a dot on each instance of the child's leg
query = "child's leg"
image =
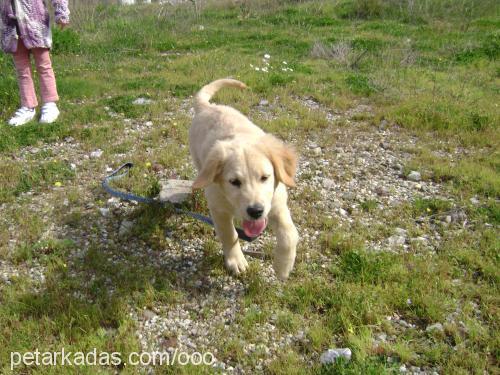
(23, 70)
(48, 86)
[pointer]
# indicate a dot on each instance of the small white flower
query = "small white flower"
(264, 70)
(283, 69)
(267, 56)
(257, 68)
(284, 62)
(251, 65)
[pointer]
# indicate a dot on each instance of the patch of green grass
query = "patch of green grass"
(433, 206)
(19, 180)
(66, 41)
(358, 266)
(475, 174)
(364, 9)
(338, 243)
(431, 69)
(442, 114)
(123, 104)
(369, 205)
(62, 316)
(76, 87)
(286, 321)
(29, 134)
(287, 363)
(360, 84)
(42, 250)
(372, 367)
(366, 44)
(492, 212)
(312, 295)
(476, 255)
(8, 86)
(414, 13)
(253, 316)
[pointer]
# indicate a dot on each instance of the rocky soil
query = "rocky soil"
(346, 165)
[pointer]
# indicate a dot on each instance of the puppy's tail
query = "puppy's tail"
(203, 97)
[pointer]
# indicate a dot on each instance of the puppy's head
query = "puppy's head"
(248, 174)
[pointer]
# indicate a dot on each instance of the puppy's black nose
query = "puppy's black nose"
(255, 211)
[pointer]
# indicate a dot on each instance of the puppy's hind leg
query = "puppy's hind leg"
(233, 256)
(286, 235)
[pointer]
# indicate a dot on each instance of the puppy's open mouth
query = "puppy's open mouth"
(254, 228)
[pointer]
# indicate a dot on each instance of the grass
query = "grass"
(431, 70)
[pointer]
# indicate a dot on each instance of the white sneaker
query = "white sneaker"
(22, 116)
(50, 113)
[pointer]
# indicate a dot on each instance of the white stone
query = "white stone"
(175, 191)
(396, 240)
(382, 337)
(435, 327)
(142, 101)
(475, 201)
(96, 154)
(331, 355)
(400, 231)
(317, 151)
(149, 315)
(328, 183)
(414, 176)
(125, 227)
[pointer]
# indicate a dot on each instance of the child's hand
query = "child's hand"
(62, 24)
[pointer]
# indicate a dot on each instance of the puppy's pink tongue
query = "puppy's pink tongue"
(253, 228)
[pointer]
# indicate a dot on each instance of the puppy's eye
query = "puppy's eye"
(235, 182)
(264, 178)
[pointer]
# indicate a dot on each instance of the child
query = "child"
(25, 29)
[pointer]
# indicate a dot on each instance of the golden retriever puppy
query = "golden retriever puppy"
(244, 172)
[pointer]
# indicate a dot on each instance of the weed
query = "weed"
(369, 205)
(360, 84)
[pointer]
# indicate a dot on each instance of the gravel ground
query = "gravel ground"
(345, 164)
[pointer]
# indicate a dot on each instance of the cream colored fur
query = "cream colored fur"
(226, 146)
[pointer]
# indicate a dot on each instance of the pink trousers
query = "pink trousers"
(48, 89)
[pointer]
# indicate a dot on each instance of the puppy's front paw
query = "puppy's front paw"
(236, 262)
(283, 266)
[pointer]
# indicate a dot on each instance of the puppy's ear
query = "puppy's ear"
(212, 167)
(283, 157)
